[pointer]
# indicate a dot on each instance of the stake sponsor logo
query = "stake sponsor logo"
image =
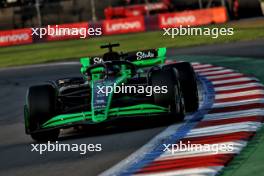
(143, 55)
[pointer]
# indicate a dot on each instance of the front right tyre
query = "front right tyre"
(40, 107)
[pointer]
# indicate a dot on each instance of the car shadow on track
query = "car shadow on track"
(120, 126)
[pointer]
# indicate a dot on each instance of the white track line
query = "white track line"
(224, 129)
(238, 86)
(232, 116)
(215, 116)
(237, 103)
(233, 80)
(239, 94)
(218, 72)
(209, 69)
(200, 171)
(202, 66)
(224, 76)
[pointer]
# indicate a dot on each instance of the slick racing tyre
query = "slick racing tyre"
(173, 98)
(188, 85)
(41, 102)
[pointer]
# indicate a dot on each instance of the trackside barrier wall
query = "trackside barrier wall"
(16, 37)
(120, 26)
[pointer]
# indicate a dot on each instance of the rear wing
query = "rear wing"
(143, 58)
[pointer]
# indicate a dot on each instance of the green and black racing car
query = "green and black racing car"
(76, 101)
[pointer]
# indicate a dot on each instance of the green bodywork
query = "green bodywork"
(92, 117)
(160, 59)
(102, 117)
(137, 110)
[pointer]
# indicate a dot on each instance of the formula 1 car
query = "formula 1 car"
(68, 102)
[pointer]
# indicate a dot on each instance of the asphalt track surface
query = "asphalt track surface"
(16, 157)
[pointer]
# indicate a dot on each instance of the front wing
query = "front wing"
(85, 118)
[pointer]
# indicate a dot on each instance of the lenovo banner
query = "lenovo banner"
(67, 31)
(15, 37)
(192, 18)
(219, 15)
(124, 25)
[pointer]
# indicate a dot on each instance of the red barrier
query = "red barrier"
(15, 37)
(117, 26)
(219, 15)
(192, 18)
(125, 25)
(68, 31)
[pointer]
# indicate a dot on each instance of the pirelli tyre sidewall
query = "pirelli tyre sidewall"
(173, 98)
(41, 106)
(188, 82)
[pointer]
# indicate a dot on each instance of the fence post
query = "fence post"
(38, 13)
(93, 11)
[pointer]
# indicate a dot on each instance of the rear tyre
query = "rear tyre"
(173, 98)
(189, 86)
(41, 103)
